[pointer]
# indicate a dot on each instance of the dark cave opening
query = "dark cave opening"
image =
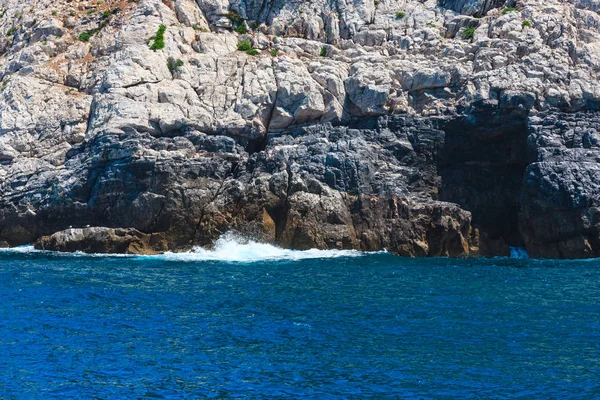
(481, 166)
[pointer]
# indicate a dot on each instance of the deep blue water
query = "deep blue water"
(374, 326)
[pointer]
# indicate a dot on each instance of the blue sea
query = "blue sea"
(249, 320)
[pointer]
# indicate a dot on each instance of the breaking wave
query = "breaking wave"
(232, 248)
(228, 248)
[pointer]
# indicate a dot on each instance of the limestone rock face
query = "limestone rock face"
(438, 127)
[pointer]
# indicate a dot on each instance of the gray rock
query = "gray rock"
(102, 240)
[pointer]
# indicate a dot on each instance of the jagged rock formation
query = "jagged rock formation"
(428, 128)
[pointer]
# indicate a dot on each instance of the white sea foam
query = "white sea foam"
(232, 248)
(228, 248)
(19, 249)
(29, 249)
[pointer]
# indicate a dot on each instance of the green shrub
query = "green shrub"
(11, 31)
(234, 17)
(400, 15)
(323, 52)
(174, 65)
(241, 29)
(90, 12)
(274, 52)
(508, 10)
(526, 24)
(106, 14)
(87, 35)
(244, 45)
(159, 38)
(468, 32)
(5, 83)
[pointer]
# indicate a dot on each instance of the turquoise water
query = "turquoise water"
(322, 325)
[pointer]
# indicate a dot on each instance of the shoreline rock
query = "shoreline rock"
(103, 241)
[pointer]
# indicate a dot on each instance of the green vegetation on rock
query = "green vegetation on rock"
(244, 45)
(87, 35)
(159, 38)
(173, 65)
(241, 29)
(468, 32)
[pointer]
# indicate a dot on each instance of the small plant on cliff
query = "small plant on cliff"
(274, 52)
(87, 35)
(159, 38)
(400, 15)
(235, 18)
(241, 29)
(5, 83)
(11, 31)
(526, 24)
(508, 10)
(323, 52)
(173, 65)
(468, 32)
(244, 45)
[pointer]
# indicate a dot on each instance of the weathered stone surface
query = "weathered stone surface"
(104, 241)
(560, 214)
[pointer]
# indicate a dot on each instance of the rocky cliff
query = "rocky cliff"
(427, 128)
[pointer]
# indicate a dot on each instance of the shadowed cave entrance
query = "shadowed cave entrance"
(481, 166)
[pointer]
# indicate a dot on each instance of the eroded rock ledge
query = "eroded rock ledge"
(103, 241)
(380, 183)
